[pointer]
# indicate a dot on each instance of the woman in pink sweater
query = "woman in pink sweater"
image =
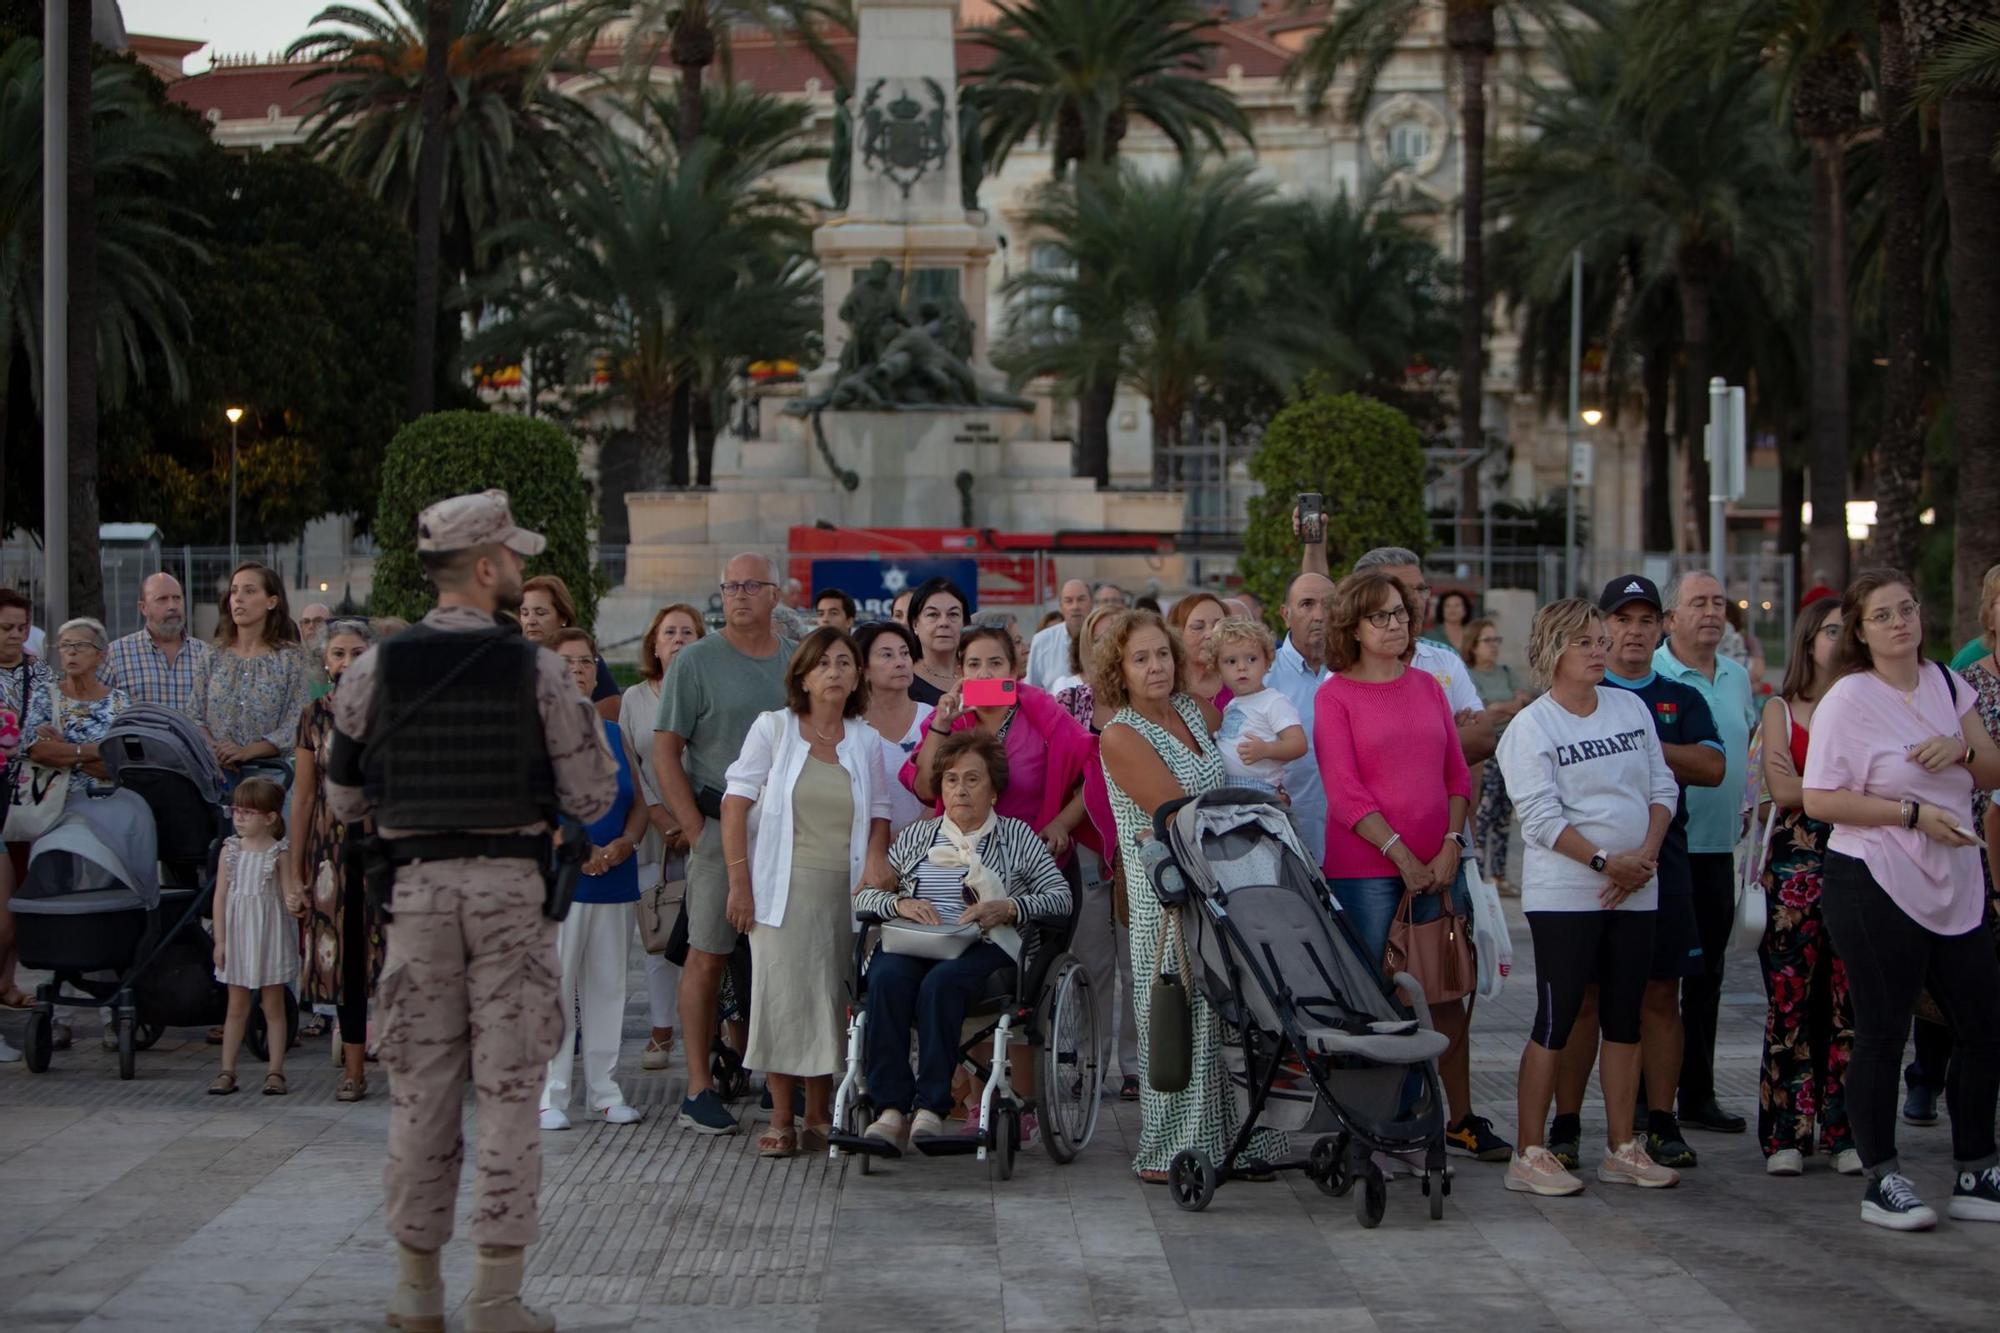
(1397, 792)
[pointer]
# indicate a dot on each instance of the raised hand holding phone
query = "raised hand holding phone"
(1001, 693)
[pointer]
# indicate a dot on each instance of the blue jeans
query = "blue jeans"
(1370, 903)
(932, 995)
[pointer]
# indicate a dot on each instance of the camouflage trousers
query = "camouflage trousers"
(470, 985)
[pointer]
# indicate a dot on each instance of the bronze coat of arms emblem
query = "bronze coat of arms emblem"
(903, 139)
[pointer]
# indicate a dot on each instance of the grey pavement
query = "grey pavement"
(149, 1205)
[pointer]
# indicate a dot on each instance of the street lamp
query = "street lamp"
(1591, 416)
(235, 414)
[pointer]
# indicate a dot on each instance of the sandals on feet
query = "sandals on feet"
(274, 1085)
(813, 1138)
(351, 1090)
(225, 1083)
(17, 999)
(1153, 1177)
(1128, 1091)
(776, 1142)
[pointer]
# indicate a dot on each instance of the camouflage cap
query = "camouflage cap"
(466, 521)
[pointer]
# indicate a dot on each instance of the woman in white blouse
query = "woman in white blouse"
(889, 654)
(812, 775)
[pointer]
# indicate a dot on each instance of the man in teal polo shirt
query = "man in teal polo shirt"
(1696, 614)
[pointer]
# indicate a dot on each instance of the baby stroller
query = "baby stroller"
(82, 911)
(1318, 1043)
(1045, 1003)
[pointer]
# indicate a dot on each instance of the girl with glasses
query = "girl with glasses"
(1897, 753)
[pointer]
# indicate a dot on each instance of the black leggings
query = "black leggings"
(1574, 950)
(353, 1007)
(1889, 959)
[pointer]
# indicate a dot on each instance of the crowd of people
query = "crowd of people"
(940, 767)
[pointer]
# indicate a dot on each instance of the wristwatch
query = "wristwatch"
(1458, 836)
(1598, 861)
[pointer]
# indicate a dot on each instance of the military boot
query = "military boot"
(418, 1305)
(496, 1305)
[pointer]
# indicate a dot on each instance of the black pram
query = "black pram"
(1316, 1040)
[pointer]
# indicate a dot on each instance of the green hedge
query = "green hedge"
(453, 453)
(1363, 457)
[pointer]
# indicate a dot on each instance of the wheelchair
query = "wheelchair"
(1043, 1003)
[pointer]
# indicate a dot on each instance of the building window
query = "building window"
(1409, 142)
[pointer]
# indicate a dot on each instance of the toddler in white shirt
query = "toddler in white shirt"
(1261, 731)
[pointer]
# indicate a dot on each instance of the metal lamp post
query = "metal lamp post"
(235, 414)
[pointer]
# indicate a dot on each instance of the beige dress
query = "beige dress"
(798, 970)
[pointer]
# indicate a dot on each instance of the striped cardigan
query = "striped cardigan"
(1013, 851)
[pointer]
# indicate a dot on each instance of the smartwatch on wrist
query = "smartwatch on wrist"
(1598, 861)
(1458, 836)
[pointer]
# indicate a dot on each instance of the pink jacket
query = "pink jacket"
(1072, 752)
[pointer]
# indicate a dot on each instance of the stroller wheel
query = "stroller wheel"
(128, 1049)
(39, 1041)
(1435, 1188)
(1329, 1166)
(1191, 1179)
(1373, 1200)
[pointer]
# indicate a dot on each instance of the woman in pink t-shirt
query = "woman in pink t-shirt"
(1397, 790)
(1896, 754)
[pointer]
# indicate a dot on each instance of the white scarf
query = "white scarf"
(961, 849)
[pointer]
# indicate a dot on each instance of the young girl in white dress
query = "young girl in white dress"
(256, 940)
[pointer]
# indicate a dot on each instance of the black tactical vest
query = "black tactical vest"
(472, 756)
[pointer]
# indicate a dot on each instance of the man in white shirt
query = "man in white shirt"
(1048, 651)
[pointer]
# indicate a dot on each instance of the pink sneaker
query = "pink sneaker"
(1628, 1164)
(1536, 1171)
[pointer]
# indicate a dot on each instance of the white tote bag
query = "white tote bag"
(1752, 905)
(1490, 942)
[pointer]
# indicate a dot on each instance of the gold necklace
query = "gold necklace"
(830, 740)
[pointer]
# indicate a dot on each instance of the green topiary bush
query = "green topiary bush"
(452, 453)
(1365, 460)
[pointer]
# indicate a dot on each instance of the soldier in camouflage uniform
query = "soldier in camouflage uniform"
(463, 741)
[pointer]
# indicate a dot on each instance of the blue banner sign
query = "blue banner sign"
(875, 583)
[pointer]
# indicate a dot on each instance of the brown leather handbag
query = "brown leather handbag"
(1437, 953)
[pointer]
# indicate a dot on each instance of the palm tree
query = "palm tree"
(1176, 282)
(1364, 36)
(431, 105)
(1074, 75)
(1957, 47)
(647, 270)
(1814, 47)
(1899, 450)
(508, 134)
(1695, 193)
(693, 33)
(137, 320)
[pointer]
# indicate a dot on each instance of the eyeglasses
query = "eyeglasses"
(1399, 615)
(1421, 589)
(746, 588)
(1907, 611)
(1602, 642)
(73, 647)
(578, 663)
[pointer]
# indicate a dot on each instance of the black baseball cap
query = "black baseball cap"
(1630, 588)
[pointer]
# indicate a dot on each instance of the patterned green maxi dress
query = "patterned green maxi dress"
(1203, 1114)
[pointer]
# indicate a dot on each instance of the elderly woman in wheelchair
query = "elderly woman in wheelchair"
(952, 942)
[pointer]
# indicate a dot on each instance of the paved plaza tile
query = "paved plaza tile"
(151, 1206)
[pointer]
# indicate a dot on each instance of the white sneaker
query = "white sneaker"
(1628, 1164)
(1536, 1171)
(622, 1114)
(1848, 1162)
(1786, 1162)
(553, 1119)
(8, 1055)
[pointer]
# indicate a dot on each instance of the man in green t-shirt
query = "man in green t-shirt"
(714, 691)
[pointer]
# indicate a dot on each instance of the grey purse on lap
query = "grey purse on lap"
(920, 941)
